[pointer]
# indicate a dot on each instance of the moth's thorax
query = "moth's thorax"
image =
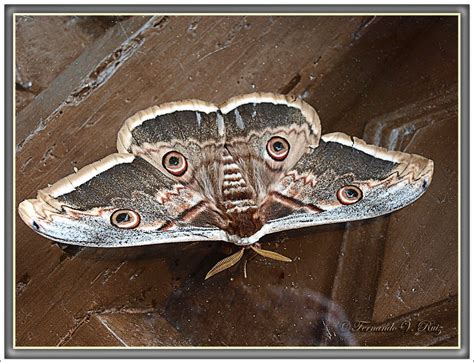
(238, 198)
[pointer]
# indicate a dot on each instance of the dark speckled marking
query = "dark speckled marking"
(201, 126)
(259, 116)
(181, 125)
(119, 181)
(344, 159)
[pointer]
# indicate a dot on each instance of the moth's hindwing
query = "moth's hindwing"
(79, 208)
(344, 179)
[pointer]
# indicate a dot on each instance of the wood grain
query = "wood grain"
(40, 38)
(391, 80)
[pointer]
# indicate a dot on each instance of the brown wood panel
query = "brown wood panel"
(91, 332)
(342, 93)
(293, 296)
(368, 76)
(39, 39)
(143, 329)
(99, 57)
(435, 324)
(423, 238)
(414, 107)
(418, 96)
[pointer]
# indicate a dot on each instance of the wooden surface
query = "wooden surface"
(390, 80)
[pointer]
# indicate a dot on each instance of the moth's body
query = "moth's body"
(189, 171)
(241, 184)
(234, 183)
(237, 197)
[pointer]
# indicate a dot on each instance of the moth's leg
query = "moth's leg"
(270, 254)
(233, 259)
(225, 263)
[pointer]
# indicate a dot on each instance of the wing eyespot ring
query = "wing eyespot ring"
(125, 219)
(175, 163)
(349, 194)
(278, 148)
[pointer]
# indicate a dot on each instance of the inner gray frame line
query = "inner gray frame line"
(317, 352)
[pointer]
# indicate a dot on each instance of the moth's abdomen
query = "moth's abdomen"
(238, 199)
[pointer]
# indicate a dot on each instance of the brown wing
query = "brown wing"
(345, 179)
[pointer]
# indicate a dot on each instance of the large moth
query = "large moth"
(194, 171)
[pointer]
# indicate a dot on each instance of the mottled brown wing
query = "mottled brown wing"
(252, 120)
(344, 179)
(78, 209)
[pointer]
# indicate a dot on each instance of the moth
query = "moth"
(194, 171)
